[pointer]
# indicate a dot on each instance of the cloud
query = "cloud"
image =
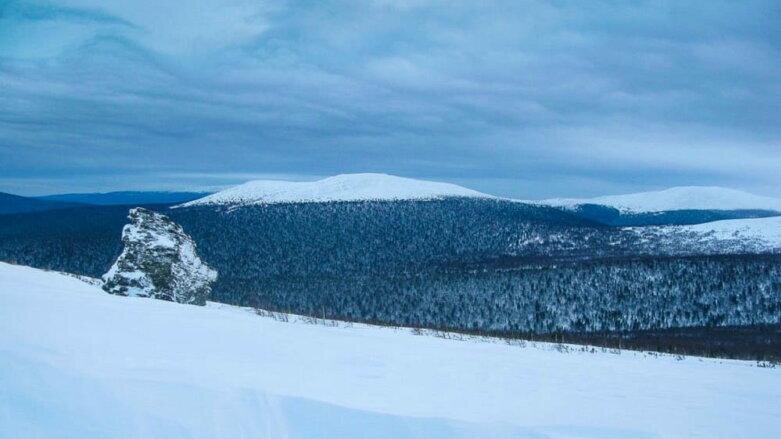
(548, 95)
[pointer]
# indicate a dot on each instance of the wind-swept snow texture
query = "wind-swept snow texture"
(677, 198)
(78, 363)
(346, 187)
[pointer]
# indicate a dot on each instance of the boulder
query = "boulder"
(159, 260)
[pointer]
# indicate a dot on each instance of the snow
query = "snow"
(751, 234)
(152, 237)
(362, 187)
(677, 198)
(345, 187)
(763, 229)
(76, 362)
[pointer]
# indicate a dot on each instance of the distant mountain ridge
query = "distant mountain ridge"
(676, 198)
(344, 187)
(384, 187)
(17, 204)
(674, 206)
(126, 197)
(10, 203)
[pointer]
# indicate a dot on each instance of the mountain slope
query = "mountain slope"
(76, 362)
(677, 198)
(10, 204)
(346, 187)
(483, 265)
(754, 235)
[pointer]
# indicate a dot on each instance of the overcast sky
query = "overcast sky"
(529, 99)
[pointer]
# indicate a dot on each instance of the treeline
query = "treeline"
(755, 342)
(582, 297)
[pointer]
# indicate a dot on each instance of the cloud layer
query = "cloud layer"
(529, 99)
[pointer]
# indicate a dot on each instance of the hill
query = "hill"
(677, 198)
(126, 197)
(674, 206)
(345, 187)
(10, 204)
(474, 264)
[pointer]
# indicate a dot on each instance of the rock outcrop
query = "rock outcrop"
(160, 261)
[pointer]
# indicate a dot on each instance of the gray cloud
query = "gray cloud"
(529, 99)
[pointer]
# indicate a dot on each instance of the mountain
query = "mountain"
(674, 206)
(345, 187)
(77, 362)
(126, 197)
(10, 203)
(677, 198)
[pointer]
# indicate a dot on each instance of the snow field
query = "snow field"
(76, 362)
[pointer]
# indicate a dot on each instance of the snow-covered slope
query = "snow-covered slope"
(677, 198)
(740, 235)
(76, 362)
(346, 187)
(766, 230)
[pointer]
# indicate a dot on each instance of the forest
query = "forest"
(456, 264)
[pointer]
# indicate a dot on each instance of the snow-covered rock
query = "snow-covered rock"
(677, 198)
(346, 187)
(159, 261)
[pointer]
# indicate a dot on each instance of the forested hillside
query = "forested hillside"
(610, 295)
(459, 263)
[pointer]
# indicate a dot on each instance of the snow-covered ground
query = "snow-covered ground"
(677, 198)
(739, 235)
(345, 187)
(76, 362)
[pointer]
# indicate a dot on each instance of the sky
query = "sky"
(528, 99)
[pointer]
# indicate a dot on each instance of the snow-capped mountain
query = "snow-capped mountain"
(345, 187)
(78, 363)
(677, 198)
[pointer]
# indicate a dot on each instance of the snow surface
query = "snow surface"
(76, 362)
(763, 229)
(345, 187)
(677, 198)
(750, 234)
